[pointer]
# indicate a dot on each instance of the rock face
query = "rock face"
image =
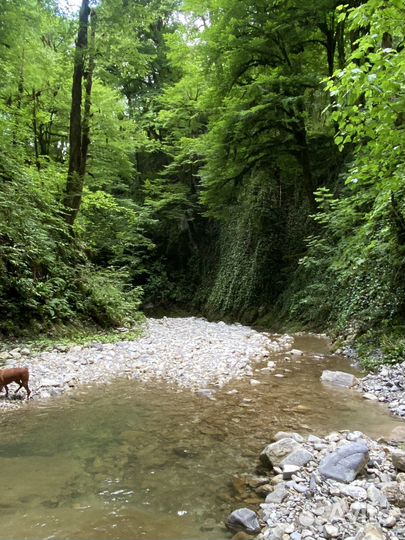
(339, 378)
(244, 520)
(345, 463)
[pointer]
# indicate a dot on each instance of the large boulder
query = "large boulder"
(275, 453)
(345, 463)
(339, 378)
(243, 519)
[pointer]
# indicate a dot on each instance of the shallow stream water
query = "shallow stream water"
(134, 460)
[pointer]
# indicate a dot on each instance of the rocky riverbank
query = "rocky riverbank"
(187, 352)
(387, 386)
(343, 486)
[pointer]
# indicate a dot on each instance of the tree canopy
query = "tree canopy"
(242, 159)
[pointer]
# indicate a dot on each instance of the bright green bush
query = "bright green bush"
(44, 277)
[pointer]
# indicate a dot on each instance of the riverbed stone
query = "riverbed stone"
(395, 493)
(289, 470)
(289, 435)
(355, 492)
(298, 457)
(370, 531)
(375, 496)
(306, 518)
(339, 378)
(296, 352)
(370, 397)
(243, 519)
(330, 531)
(274, 453)
(397, 434)
(278, 495)
(345, 463)
(398, 459)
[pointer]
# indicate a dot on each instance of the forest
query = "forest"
(243, 160)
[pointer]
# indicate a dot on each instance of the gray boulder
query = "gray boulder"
(243, 519)
(339, 378)
(274, 453)
(278, 495)
(299, 457)
(345, 463)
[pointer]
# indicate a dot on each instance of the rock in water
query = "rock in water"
(243, 519)
(339, 378)
(397, 434)
(345, 463)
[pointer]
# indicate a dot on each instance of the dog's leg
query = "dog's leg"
(27, 389)
(19, 388)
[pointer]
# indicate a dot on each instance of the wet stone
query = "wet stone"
(243, 519)
(338, 378)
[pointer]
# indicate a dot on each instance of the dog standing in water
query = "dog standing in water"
(17, 375)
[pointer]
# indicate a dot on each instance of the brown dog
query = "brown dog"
(17, 375)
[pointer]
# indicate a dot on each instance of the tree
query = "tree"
(79, 133)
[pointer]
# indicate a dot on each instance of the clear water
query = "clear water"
(129, 460)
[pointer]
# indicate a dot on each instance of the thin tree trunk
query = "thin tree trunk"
(87, 100)
(304, 157)
(35, 128)
(74, 184)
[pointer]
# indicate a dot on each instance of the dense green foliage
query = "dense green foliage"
(246, 160)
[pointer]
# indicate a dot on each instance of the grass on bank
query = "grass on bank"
(75, 334)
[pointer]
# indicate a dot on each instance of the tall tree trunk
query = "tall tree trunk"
(304, 158)
(35, 128)
(74, 184)
(87, 99)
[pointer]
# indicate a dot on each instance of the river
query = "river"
(146, 460)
